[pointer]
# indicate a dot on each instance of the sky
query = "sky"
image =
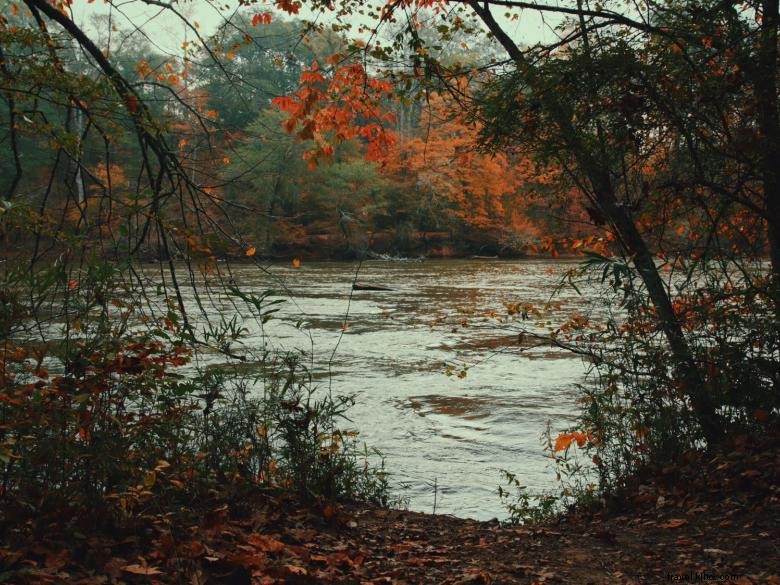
(167, 32)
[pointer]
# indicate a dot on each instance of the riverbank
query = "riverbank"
(708, 516)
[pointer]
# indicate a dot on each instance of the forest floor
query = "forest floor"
(711, 517)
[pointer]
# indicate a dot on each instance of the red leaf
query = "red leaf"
(328, 512)
(761, 415)
(132, 103)
(290, 6)
(265, 543)
(261, 18)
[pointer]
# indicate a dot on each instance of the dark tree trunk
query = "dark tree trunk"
(769, 126)
(686, 368)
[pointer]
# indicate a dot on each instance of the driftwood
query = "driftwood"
(365, 286)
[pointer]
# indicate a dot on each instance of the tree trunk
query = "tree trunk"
(686, 367)
(769, 126)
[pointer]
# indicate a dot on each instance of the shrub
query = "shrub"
(114, 415)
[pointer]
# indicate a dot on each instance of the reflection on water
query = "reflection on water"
(395, 352)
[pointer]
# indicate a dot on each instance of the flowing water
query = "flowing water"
(445, 437)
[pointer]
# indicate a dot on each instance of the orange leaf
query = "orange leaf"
(565, 440)
(141, 570)
(251, 251)
(265, 543)
(562, 442)
(296, 262)
(335, 59)
(675, 523)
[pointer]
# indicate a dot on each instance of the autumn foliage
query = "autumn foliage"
(342, 106)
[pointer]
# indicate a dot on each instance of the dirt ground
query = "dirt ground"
(713, 517)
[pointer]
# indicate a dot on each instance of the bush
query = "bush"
(635, 412)
(634, 409)
(107, 415)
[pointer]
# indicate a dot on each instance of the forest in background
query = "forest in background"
(432, 193)
(430, 190)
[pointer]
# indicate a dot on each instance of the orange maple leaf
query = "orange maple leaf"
(565, 440)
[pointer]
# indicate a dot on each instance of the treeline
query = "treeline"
(431, 193)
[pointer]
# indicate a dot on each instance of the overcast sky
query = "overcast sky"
(167, 32)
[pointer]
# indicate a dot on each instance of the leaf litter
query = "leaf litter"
(716, 513)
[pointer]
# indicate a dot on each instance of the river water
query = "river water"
(445, 437)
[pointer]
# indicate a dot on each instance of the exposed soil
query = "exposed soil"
(701, 519)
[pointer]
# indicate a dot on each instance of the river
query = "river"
(445, 437)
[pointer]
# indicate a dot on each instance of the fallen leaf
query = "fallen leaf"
(265, 543)
(328, 512)
(141, 570)
(674, 523)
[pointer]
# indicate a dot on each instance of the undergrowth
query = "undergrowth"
(108, 413)
(634, 411)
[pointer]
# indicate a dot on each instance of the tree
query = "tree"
(266, 61)
(339, 199)
(480, 195)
